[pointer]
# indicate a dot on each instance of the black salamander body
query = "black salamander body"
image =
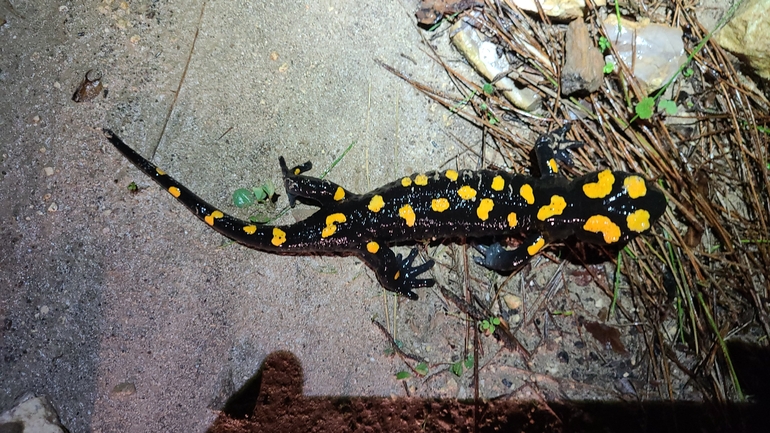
(604, 207)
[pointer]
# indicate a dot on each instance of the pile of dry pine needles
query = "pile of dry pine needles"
(707, 264)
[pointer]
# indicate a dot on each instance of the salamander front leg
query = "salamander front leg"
(396, 273)
(498, 259)
(554, 146)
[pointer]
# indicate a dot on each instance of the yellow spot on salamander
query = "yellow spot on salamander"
(553, 166)
(398, 274)
(484, 208)
(498, 183)
(407, 213)
(513, 220)
(635, 186)
(331, 224)
(250, 229)
(339, 194)
(451, 175)
(279, 237)
(174, 191)
(466, 193)
(372, 247)
(537, 246)
(297, 171)
(421, 180)
(214, 215)
(376, 203)
(556, 207)
(638, 221)
(159, 171)
(407, 181)
(439, 204)
(602, 224)
(526, 193)
(601, 187)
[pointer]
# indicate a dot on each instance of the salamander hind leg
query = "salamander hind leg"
(310, 188)
(394, 272)
(498, 259)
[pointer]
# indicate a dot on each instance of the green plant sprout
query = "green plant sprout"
(132, 187)
(604, 43)
(487, 326)
(458, 367)
(668, 105)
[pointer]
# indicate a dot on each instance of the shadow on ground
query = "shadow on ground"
(272, 400)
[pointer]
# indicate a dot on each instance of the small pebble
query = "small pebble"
(123, 389)
(48, 171)
(53, 207)
(512, 301)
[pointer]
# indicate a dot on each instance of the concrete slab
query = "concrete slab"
(103, 289)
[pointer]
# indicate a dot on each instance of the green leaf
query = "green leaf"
(668, 105)
(608, 68)
(456, 369)
(133, 187)
(645, 108)
(269, 188)
(469, 361)
(688, 72)
(260, 194)
(259, 219)
(488, 88)
(401, 375)
(242, 197)
(604, 43)
(496, 321)
(421, 368)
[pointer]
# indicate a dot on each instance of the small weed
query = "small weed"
(487, 326)
(604, 44)
(133, 187)
(668, 105)
(403, 374)
(389, 351)
(645, 108)
(458, 367)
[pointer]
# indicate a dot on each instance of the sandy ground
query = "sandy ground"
(101, 287)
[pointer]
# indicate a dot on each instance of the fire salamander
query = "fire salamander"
(605, 207)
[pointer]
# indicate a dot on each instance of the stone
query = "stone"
(747, 35)
(31, 414)
(583, 66)
(561, 10)
(484, 56)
